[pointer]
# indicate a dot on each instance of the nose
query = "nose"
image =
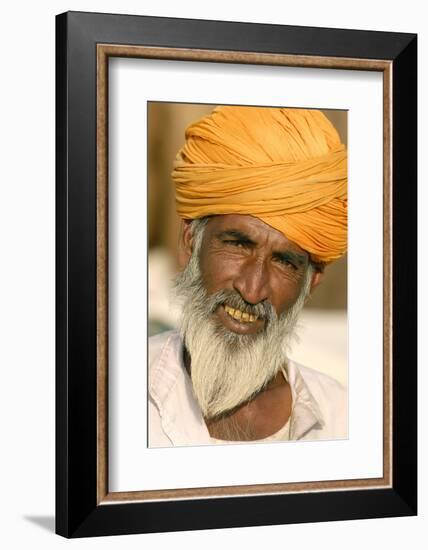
(252, 281)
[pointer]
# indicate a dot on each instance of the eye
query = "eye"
(235, 243)
(287, 262)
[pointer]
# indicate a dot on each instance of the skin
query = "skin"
(243, 253)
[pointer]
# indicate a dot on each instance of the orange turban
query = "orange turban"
(286, 167)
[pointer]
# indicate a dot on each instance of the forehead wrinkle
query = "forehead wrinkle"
(290, 254)
(257, 232)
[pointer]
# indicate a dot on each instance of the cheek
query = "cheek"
(285, 292)
(218, 270)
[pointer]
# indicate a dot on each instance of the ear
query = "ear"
(317, 278)
(185, 245)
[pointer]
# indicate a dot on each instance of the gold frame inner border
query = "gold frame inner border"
(104, 52)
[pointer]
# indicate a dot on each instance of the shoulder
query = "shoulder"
(164, 361)
(320, 382)
(160, 343)
(331, 399)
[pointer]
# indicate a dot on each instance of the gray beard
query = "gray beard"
(228, 369)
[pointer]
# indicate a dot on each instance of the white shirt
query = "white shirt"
(319, 403)
(283, 434)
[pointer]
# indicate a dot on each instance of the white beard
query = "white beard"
(227, 368)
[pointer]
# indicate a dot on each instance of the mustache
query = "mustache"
(262, 310)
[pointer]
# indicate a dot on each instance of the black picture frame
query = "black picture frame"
(79, 512)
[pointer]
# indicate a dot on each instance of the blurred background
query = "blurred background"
(322, 332)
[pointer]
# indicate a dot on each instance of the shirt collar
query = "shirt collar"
(171, 389)
(305, 413)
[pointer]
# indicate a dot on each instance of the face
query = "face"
(243, 255)
(241, 290)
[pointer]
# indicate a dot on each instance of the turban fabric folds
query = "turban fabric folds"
(286, 167)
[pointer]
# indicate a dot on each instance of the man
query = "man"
(263, 196)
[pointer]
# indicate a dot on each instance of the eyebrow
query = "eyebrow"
(299, 259)
(292, 257)
(235, 234)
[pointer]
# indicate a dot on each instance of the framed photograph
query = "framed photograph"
(222, 187)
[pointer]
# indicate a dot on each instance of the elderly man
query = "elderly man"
(263, 196)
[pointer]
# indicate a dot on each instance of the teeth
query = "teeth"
(240, 315)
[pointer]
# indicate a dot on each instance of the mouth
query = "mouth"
(239, 315)
(239, 321)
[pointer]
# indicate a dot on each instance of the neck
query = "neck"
(186, 360)
(258, 417)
